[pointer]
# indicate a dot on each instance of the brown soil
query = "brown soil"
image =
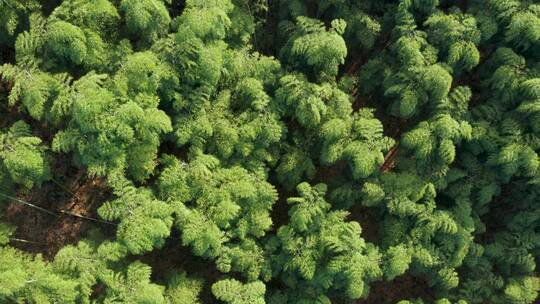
(401, 288)
(31, 226)
(46, 233)
(367, 218)
(327, 174)
(8, 116)
(175, 257)
(280, 210)
(68, 229)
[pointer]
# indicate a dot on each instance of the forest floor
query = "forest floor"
(175, 257)
(73, 194)
(403, 287)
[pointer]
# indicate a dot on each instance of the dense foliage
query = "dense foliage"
(282, 152)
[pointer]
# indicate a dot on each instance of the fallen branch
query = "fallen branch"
(389, 159)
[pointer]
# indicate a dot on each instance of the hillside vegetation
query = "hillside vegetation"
(266, 151)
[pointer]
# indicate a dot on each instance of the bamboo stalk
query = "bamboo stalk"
(56, 214)
(86, 217)
(30, 205)
(27, 241)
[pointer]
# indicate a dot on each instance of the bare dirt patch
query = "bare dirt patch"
(70, 193)
(405, 287)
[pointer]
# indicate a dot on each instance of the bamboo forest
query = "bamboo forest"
(269, 151)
